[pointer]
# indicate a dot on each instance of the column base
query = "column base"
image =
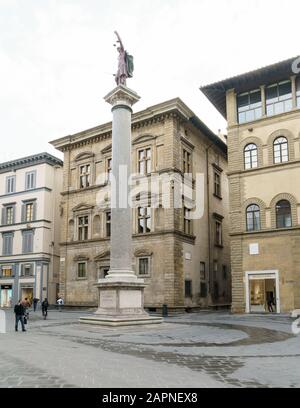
(120, 304)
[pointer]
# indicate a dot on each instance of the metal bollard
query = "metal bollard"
(165, 310)
(2, 322)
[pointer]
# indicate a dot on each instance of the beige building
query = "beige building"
(263, 113)
(184, 262)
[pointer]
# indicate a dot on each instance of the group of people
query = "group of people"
(22, 314)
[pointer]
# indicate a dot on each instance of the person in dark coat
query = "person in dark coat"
(19, 312)
(35, 302)
(45, 306)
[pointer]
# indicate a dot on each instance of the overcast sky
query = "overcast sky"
(57, 58)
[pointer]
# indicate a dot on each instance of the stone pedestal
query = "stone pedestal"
(121, 293)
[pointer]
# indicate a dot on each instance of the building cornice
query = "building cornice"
(29, 161)
(270, 231)
(174, 108)
(186, 237)
(265, 169)
(26, 192)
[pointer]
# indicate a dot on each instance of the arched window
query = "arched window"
(253, 217)
(281, 150)
(283, 214)
(250, 156)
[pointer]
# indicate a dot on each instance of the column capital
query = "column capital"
(121, 95)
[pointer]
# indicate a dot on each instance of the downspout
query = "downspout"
(208, 221)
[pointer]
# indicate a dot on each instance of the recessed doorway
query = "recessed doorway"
(262, 292)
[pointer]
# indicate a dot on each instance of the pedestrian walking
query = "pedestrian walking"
(45, 306)
(271, 302)
(60, 303)
(26, 304)
(35, 302)
(19, 313)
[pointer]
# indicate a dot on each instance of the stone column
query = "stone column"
(121, 99)
(121, 293)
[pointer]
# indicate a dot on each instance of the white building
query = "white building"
(29, 232)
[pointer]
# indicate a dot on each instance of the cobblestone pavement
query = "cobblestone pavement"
(191, 350)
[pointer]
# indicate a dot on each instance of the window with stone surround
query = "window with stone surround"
(28, 211)
(218, 233)
(144, 161)
(144, 265)
(8, 214)
(250, 156)
(30, 180)
(27, 270)
(187, 222)
(281, 150)
(10, 184)
(217, 184)
(202, 271)
(108, 224)
(81, 270)
(7, 272)
(7, 243)
(27, 241)
(186, 161)
(144, 220)
(83, 228)
(298, 91)
(283, 214)
(84, 175)
(109, 169)
(188, 288)
(253, 217)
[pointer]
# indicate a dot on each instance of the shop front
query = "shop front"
(26, 292)
(262, 292)
(6, 293)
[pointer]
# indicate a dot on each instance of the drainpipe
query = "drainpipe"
(208, 221)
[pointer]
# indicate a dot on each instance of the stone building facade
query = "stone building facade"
(180, 259)
(263, 113)
(29, 231)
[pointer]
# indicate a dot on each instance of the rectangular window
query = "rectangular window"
(7, 244)
(27, 270)
(203, 289)
(81, 270)
(29, 212)
(108, 223)
(144, 220)
(202, 271)
(298, 91)
(224, 269)
(144, 164)
(27, 242)
(187, 222)
(249, 106)
(279, 98)
(85, 176)
(30, 180)
(83, 228)
(218, 233)
(188, 288)
(10, 184)
(186, 162)
(144, 266)
(7, 272)
(9, 215)
(109, 169)
(215, 270)
(217, 184)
